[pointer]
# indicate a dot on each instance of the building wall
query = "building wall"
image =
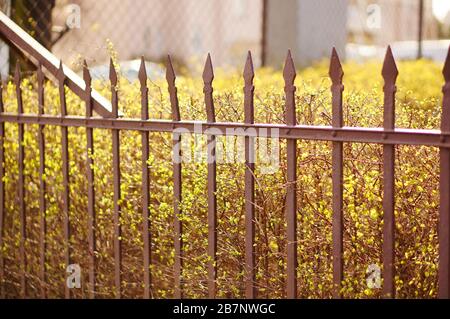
(399, 22)
(154, 28)
(310, 28)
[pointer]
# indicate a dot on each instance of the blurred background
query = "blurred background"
(188, 29)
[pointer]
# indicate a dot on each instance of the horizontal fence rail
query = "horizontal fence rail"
(337, 133)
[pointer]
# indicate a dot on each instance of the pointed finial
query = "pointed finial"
(389, 71)
(289, 69)
(249, 73)
(336, 73)
(17, 73)
(143, 73)
(86, 75)
(60, 75)
(208, 73)
(40, 74)
(112, 73)
(446, 69)
(170, 73)
(170, 77)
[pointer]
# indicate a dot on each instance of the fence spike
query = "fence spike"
(444, 191)
(289, 75)
(208, 77)
(114, 90)
(143, 73)
(144, 90)
(112, 73)
(170, 77)
(249, 73)
(18, 80)
(88, 88)
(170, 73)
(208, 73)
(248, 89)
(17, 74)
(40, 74)
(389, 71)
(40, 80)
(60, 75)
(86, 76)
(336, 73)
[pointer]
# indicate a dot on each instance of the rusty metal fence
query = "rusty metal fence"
(110, 119)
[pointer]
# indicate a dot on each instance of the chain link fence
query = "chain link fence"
(188, 29)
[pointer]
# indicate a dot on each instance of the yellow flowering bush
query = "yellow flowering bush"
(416, 207)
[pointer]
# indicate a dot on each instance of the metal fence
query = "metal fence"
(110, 119)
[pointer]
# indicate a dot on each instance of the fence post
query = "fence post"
(336, 73)
(177, 182)
(21, 185)
(65, 171)
(444, 192)
(208, 77)
(291, 196)
(250, 277)
(90, 177)
(42, 184)
(2, 196)
(145, 181)
(116, 181)
(390, 74)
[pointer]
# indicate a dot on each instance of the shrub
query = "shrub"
(416, 206)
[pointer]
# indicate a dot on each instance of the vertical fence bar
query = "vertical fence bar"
(2, 196)
(116, 181)
(444, 189)
(65, 171)
(90, 180)
(390, 74)
(289, 75)
(145, 181)
(42, 184)
(21, 185)
(208, 77)
(336, 73)
(250, 277)
(177, 182)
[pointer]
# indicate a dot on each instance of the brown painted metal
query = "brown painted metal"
(250, 273)
(289, 75)
(116, 183)
(177, 182)
(336, 73)
(388, 136)
(42, 184)
(16, 37)
(390, 74)
(21, 186)
(208, 76)
(444, 188)
(90, 179)
(401, 136)
(145, 181)
(2, 196)
(65, 172)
